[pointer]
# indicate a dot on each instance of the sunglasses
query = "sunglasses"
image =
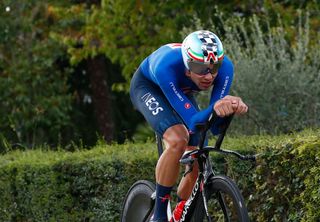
(203, 69)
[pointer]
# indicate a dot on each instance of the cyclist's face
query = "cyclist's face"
(203, 81)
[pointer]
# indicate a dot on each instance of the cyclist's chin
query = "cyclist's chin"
(204, 86)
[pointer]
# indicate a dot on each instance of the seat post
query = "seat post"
(159, 144)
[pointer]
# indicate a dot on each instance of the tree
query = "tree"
(34, 96)
(123, 31)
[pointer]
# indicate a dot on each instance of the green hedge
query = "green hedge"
(41, 185)
(287, 180)
(81, 186)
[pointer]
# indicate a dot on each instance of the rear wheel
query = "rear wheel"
(224, 201)
(138, 204)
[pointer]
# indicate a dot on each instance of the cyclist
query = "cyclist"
(162, 90)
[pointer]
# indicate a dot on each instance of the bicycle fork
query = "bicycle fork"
(205, 204)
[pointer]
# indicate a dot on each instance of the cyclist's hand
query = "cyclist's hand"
(229, 105)
(239, 107)
(223, 107)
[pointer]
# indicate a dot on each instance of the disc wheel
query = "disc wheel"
(138, 204)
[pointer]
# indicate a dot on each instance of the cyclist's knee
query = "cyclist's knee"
(176, 138)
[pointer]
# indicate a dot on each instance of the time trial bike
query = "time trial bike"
(214, 197)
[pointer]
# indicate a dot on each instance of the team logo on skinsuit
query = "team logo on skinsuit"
(176, 91)
(151, 103)
(187, 105)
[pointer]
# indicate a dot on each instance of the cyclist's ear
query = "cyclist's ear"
(188, 73)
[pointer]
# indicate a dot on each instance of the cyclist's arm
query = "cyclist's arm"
(180, 102)
(221, 88)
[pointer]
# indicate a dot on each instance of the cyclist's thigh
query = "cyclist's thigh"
(148, 98)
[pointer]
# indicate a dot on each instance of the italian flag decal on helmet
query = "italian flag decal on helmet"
(203, 47)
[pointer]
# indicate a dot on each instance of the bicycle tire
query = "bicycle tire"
(138, 203)
(235, 206)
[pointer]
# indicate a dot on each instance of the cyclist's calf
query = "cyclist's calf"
(187, 182)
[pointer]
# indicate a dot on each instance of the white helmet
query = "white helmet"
(200, 49)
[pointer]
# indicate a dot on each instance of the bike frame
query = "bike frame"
(205, 166)
(205, 169)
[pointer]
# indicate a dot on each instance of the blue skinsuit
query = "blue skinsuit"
(165, 68)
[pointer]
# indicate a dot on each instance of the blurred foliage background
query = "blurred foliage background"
(65, 66)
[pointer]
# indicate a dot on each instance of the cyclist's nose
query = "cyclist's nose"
(209, 76)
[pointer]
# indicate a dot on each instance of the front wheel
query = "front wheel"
(138, 204)
(224, 202)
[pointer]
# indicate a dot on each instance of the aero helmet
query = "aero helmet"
(200, 49)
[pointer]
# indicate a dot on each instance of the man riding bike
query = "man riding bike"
(162, 89)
